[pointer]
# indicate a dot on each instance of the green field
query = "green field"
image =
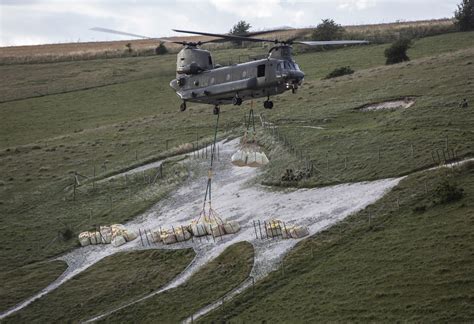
(105, 285)
(102, 116)
(210, 283)
(410, 264)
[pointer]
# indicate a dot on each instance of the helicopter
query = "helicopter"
(200, 80)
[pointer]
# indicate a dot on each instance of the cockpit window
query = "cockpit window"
(210, 60)
(290, 65)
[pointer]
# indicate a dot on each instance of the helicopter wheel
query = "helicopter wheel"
(236, 101)
(268, 104)
(216, 110)
(183, 106)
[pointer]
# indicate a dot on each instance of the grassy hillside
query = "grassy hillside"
(44, 140)
(413, 263)
(37, 275)
(104, 286)
(210, 283)
(324, 126)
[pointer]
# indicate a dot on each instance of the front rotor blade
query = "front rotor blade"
(226, 36)
(323, 43)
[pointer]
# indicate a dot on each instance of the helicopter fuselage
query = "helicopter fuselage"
(250, 80)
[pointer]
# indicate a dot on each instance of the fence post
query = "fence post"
(93, 179)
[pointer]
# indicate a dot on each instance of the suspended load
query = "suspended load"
(249, 153)
(210, 223)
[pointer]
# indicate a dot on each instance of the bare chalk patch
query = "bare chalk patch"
(403, 103)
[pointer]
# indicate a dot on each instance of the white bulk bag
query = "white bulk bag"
(286, 231)
(154, 237)
(84, 239)
(231, 227)
(118, 240)
(95, 238)
(217, 230)
(198, 229)
(129, 235)
(106, 234)
(273, 228)
(299, 231)
(117, 229)
(257, 159)
(182, 235)
(239, 158)
(168, 238)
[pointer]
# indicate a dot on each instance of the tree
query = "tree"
(327, 30)
(240, 29)
(397, 53)
(465, 15)
(161, 49)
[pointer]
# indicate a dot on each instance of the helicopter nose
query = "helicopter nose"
(296, 76)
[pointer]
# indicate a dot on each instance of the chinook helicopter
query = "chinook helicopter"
(199, 80)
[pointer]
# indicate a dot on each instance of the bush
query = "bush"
(397, 53)
(328, 30)
(465, 15)
(161, 49)
(345, 70)
(66, 234)
(447, 193)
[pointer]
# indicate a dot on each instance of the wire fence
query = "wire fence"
(330, 166)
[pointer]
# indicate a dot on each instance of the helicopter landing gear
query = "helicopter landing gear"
(268, 104)
(236, 101)
(216, 110)
(293, 89)
(183, 106)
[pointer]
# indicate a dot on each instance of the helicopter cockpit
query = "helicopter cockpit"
(288, 65)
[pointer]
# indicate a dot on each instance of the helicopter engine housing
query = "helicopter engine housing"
(192, 60)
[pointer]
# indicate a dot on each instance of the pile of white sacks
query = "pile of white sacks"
(115, 234)
(249, 154)
(276, 228)
(216, 228)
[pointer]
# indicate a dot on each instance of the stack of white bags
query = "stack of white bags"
(115, 234)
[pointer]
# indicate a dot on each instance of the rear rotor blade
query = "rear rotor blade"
(117, 32)
(323, 43)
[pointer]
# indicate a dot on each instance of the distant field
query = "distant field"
(95, 50)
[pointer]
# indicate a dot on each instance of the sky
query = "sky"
(30, 22)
